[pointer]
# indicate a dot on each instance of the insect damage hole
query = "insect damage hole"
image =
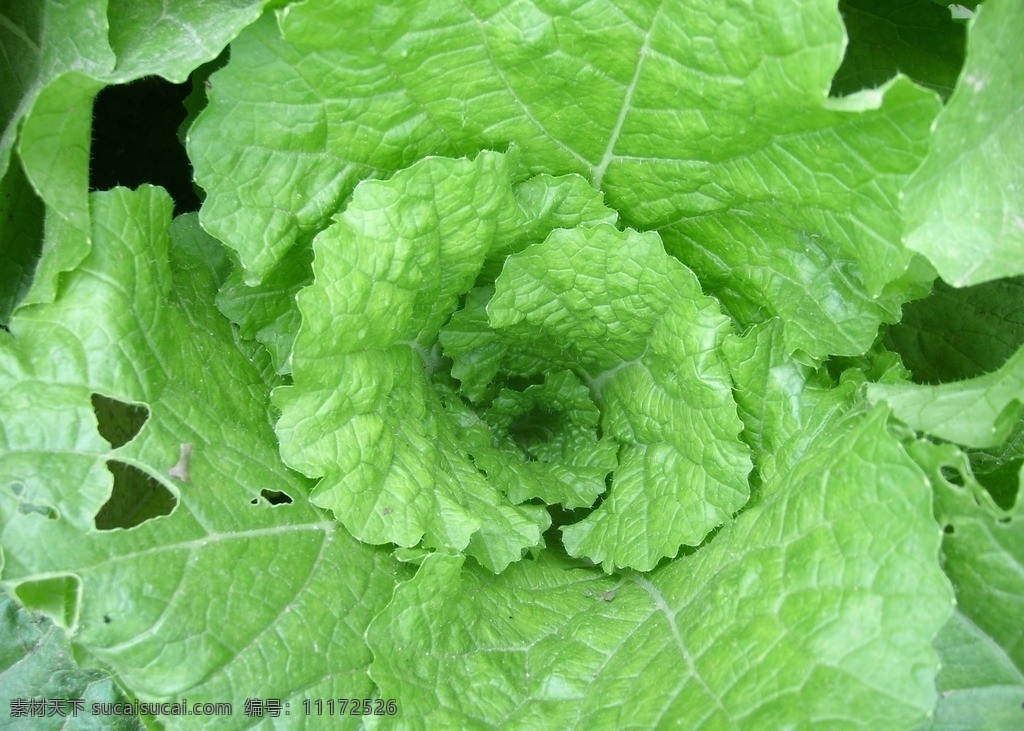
(274, 497)
(118, 422)
(27, 506)
(136, 498)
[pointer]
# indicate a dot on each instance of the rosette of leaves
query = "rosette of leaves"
(442, 405)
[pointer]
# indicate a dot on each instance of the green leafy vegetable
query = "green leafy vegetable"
(834, 604)
(983, 545)
(635, 324)
(977, 146)
(196, 602)
(533, 364)
(36, 660)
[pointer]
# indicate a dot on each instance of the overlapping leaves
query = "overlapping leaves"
(451, 375)
(404, 459)
(220, 593)
(709, 124)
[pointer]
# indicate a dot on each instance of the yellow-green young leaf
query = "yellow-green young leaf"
(599, 354)
(363, 412)
(634, 323)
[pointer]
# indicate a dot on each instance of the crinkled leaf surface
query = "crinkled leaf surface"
(555, 424)
(711, 124)
(609, 306)
(785, 405)
(964, 208)
(218, 599)
(815, 608)
(363, 413)
(634, 322)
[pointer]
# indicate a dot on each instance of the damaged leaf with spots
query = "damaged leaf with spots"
(531, 364)
(164, 597)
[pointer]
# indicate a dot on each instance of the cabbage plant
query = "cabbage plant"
(527, 364)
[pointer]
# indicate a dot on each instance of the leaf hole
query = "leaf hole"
(118, 422)
(1002, 483)
(274, 497)
(521, 383)
(27, 507)
(952, 475)
(136, 498)
(949, 530)
(47, 511)
(479, 469)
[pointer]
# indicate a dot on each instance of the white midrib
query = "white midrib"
(597, 383)
(661, 605)
(627, 103)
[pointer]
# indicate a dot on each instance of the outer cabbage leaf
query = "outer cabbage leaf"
(43, 41)
(170, 40)
(58, 55)
(979, 412)
(214, 600)
(980, 688)
(711, 124)
(983, 554)
(633, 321)
(815, 608)
(964, 208)
(36, 664)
